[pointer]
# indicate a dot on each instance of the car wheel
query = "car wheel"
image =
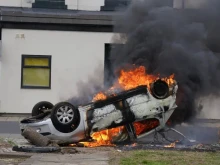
(65, 117)
(160, 89)
(40, 107)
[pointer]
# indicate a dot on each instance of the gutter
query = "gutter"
(52, 16)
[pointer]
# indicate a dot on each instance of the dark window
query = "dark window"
(112, 5)
(49, 4)
(36, 72)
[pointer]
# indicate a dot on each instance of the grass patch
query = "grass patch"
(6, 142)
(11, 142)
(155, 157)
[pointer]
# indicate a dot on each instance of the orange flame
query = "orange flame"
(104, 137)
(171, 145)
(133, 145)
(145, 126)
(99, 96)
(132, 79)
(127, 80)
(138, 77)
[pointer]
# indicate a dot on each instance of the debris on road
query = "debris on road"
(41, 144)
(37, 139)
(36, 149)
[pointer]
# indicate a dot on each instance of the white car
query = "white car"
(68, 123)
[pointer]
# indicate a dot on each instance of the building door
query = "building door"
(109, 72)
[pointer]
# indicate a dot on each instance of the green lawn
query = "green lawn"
(152, 157)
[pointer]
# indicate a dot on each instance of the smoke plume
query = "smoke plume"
(167, 40)
(87, 89)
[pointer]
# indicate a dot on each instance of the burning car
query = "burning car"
(134, 112)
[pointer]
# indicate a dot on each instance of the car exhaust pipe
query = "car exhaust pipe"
(160, 89)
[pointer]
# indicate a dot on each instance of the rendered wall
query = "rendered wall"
(75, 57)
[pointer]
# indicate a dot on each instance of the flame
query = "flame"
(138, 77)
(132, 145)
(100, 96)
(145, 126)
(132, 79)
(171, 145)
(104, 137)
(127, 80)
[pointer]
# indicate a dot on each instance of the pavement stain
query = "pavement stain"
(7, 160)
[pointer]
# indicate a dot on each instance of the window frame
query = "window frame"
(23, 57)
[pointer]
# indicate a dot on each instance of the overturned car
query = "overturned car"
(71, 124)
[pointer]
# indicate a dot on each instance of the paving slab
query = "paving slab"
(15, 138)
(9, 127)
(97, 158)
(2, 163)
(3, 118)
(13, 119)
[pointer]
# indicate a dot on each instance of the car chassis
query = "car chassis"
(69, 124)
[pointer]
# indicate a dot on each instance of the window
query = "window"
(49, 4)
(36, 72)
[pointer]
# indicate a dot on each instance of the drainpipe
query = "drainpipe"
(183, 4)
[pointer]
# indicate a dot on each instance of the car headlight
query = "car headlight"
(38, 130)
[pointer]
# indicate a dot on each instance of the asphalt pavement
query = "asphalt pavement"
(206, 133)
(9, 127)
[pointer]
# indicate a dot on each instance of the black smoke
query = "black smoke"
(166, 40)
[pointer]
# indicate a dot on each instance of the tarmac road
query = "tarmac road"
(206, 133)
(9, 127)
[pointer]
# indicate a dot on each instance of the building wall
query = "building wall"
(75, 57)
(89, 5)
(93, 5)
(16, 3)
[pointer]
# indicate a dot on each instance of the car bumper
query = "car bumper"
(46, 128)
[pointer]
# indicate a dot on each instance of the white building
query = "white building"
(48, 46)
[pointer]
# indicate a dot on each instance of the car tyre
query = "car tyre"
(39, 107)
(160, 89)
(65, 117)
(34, 149)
